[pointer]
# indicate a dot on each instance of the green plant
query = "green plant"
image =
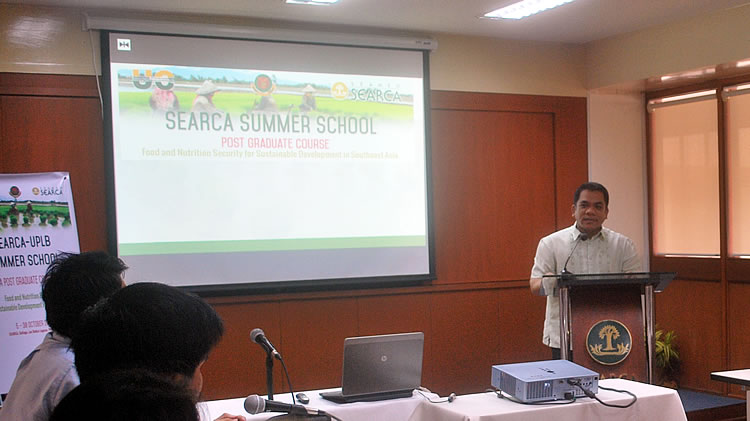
(667, 356)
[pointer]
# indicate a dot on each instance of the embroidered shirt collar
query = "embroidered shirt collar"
(575, 234)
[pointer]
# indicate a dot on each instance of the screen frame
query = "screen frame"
(281, 286)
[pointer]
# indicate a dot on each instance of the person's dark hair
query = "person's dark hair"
(149, 326)
(128, 395)
(74, 282)
(591, 186)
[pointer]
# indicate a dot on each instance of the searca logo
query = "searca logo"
(163, 79)
(47, 191)
(375, 95)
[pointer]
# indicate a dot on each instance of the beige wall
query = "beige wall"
(50, 40)
(518, 67)
(708, 40)
(616, 128)
(44, 40)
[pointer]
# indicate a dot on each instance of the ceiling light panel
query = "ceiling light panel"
(313, 2)
(524, 8)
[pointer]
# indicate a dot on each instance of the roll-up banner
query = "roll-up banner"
(37, 221)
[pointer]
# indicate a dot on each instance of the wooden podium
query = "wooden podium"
(607, 319)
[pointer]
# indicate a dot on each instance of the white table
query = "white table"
(654, 404)
(388, 410)
(740, 377)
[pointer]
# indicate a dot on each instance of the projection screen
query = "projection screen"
(240, 164)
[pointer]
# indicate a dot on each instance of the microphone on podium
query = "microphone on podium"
(254, 404)
(582, 237)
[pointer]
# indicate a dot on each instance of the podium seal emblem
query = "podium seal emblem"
(608, 342)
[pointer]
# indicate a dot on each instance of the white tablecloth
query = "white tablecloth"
(389, 410)
(741, 377)
(654, 403)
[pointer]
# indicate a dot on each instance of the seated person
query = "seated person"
(149, 326)
(72, 283)
(128, 395)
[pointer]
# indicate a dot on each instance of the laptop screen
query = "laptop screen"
(383, 363)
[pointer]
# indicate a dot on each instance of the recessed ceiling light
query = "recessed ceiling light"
(524, 8)
(313, 2)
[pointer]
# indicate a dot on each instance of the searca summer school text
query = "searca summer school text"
(269, 123)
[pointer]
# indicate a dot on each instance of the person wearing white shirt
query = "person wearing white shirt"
(72, 283)
(586, 246)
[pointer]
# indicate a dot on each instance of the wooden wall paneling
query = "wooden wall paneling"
(570, 134)
(739, 331)
(313, 331)
(398, 314)
(571, 163)
(47, 85)
(492, 178)
(521, 325)
(466, 339)
(693, 309)
(690, 268)
(237, 366)
(49, 133)
(591, 305)
(738, 270)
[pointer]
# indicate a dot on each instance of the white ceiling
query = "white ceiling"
(579, 22)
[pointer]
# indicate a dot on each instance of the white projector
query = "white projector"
(540, 381)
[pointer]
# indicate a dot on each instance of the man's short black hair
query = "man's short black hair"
(149, 326)
(591, 186)
(74, 282)
(128, 395)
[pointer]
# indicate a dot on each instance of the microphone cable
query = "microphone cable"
(421, 389)
(288, 381)
(291, 389)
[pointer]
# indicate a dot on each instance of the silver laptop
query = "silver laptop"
(380, 367)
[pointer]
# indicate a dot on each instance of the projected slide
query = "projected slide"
(262, 162)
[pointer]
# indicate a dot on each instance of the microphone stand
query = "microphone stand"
(269, 375)
(565, 274)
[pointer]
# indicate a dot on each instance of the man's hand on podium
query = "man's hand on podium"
(542, 286)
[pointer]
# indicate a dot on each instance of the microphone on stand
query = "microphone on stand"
(254, 404)
(565, 272)
(259, 337)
